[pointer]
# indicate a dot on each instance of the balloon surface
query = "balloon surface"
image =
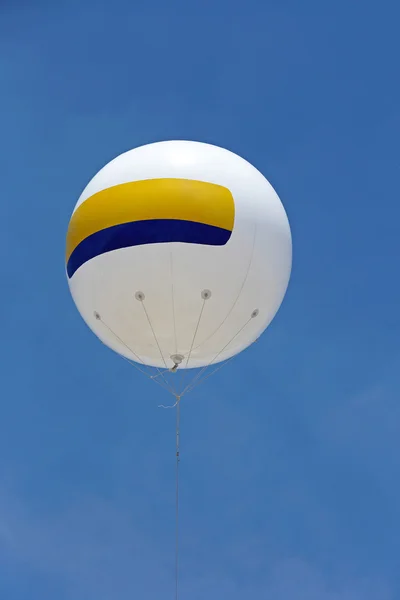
(178, 253)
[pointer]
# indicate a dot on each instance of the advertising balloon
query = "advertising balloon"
(178, 254)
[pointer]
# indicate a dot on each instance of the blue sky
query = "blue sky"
(291, 455)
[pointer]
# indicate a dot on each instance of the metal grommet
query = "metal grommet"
(206, 294)
(255, 313)
(177, 358)
(140, 296)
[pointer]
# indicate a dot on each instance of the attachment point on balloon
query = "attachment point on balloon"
(206, 294)
(140, 296)
(97, 316)
(255, 313)
(176, 359)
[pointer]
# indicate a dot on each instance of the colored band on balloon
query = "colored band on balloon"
(149, 212)
(144, 232)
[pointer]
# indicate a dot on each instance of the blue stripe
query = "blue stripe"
(145, 232)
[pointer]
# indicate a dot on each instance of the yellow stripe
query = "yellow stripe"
(183, 199)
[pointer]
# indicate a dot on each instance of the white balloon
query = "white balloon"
(178, 253)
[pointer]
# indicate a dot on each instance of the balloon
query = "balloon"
(178, 254)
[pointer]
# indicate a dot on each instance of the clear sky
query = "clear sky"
(290, 456)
